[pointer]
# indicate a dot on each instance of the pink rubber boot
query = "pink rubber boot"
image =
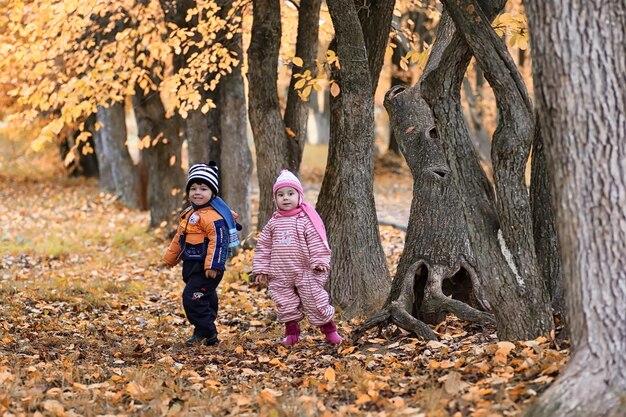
(292, 333)
(330, 331)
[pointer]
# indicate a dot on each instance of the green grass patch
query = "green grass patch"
(132, 239)
(95, 293)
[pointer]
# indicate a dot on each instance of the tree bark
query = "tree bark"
(436, 274)
(114, 158)
(297, 110)
(198, 135)
(511, 145)
(375, 18)
(162, 158)
(236, 160)
(268, 128)
(399, 77)
(544, 228)
(359, 277)
(504, 252)
(578, 69)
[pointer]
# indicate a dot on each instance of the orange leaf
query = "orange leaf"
(329, 374)
(363, 399)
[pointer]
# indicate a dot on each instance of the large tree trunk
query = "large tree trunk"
(501, 239)
(578, 68)
(436, 274)
(114, 158)
(236, 160)
(297, 110)
(162, 158)
(359, 277)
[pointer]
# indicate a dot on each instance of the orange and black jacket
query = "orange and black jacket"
(202, 235)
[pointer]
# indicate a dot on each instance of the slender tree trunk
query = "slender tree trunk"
(578, 68)
(114, 157)
(107, 184)
(359, 278)
(275, 148)
(270, 137)
(236, 160)
(105, 174)
(162, 158)
(297, 110)
(375, 17)
(544, 228)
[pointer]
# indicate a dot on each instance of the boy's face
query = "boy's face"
(200, 194)
(287, 198)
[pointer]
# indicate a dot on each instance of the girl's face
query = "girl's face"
(287, 198)
(200, 194)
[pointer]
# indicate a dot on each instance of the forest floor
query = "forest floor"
(92, 325)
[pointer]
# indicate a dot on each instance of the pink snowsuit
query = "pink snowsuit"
(287, 251)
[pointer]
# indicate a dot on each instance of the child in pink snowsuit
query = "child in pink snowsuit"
(293, 256)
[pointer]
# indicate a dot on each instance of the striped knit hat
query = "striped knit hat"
(204, 174)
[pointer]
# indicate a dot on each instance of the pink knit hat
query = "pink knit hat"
(287, 179)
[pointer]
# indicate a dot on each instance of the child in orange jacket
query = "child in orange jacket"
(201, 242)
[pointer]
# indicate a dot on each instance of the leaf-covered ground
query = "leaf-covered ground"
(92, 325)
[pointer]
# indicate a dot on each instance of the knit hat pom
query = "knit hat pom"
(204, 174)
(287, 179)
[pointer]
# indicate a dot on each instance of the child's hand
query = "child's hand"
(260, 279)
(321, 268)
(211, 273)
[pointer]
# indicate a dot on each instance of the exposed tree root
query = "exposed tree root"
(423, 292)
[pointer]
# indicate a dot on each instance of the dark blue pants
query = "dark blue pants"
(200, 298)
